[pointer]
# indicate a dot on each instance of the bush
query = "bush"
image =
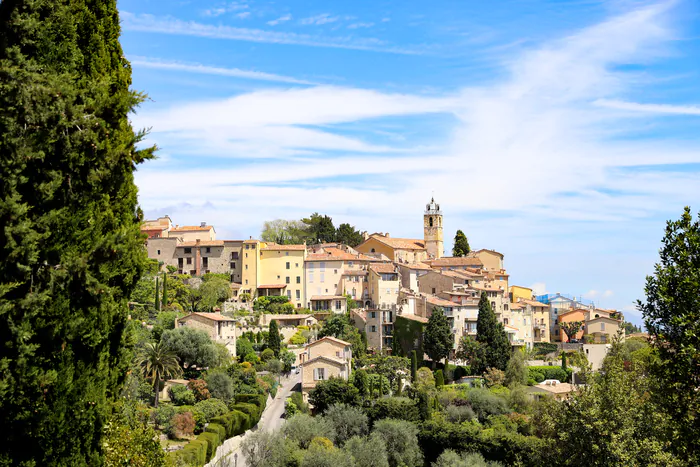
(234, 422)
(298, 400)
(439, 379)
(194, 453)
(220, 385)
(399, 408)
(290, 408)
(485, 404)
(198, 416)
(251, 357)
(251, 410)
(347, 422)
(535, 374)
(213, 442)
(211, 408)
(297, 339)
(301, 429)
(267, 355)
(181, 395)
(550, 372)
(164, 414)
(218, 429)
(461, 372)
(181, 425)
(258, 399)
(459, 413)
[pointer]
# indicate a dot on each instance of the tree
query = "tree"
(450, 458)
(470, 351)
(157, 296)
(571, 328)
(284, 232)
(461, 245)
(192, 346)
(348, 235)
(347, 422)
(439, 379)
(335, 326)
(516, 371)
(563, 361)
(165, 290)
(127, 437)
(157, 362)
(672, 317)
(70, 251)
(220, 385)
(438, 340)
(301, 429)
(213, 291)
(425, 381)
(401, 439)
(319, 228)
(243, 347)
(360, 381)
(368, 452)
(288, 359)
(333, 391)
(274, 341)
(490, 333)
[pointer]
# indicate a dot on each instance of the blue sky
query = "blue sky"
(561, 133)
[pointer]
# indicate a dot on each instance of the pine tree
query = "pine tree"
(273, 340)
(414, 366)
(461, 245)
(157, 296)
(165, 290)
(438, 340)
(496, 349)
(70, 247)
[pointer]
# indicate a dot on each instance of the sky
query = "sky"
(562, 133)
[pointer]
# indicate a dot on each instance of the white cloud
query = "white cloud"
(243, 15)
(591, 294)
(169, 25)
(539, 288)
(279, 20)
(228, 8)
(323, 18)
(649, 108)
(147, 62)
(360, 25)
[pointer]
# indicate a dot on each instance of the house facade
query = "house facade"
(322, 359)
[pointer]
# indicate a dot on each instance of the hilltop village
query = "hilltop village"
(386, 284)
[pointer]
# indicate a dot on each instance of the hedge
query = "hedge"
(218, 429)
(213, 442)
(194, 452)
(540, 373)
(233, 422)
(251, 410)
(258, 399)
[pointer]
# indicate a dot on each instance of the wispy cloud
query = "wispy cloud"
(147, 62)
(169, 25)
(649, 108)
(323, 18)
(279, 20)
(360, 25)
(228, 8)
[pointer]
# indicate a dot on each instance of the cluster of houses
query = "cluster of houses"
(387, 278)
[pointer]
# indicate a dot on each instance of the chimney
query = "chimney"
(386, 234)
(203, 224)
(198, 241)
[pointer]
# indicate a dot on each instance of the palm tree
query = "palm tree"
(157, 362)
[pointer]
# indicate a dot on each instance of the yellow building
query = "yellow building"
(271, 269)
(398, 250)
(491, 259)
(518, 292)
(432, 230)
(322, 359)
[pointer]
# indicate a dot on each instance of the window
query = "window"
(433, 290)
(298, 294)
(296, 265)
(505, 307)
(493, 305)
(189, 260)
(205, 262)
(326, 290)
(373, 329)
(319, 374)
(208, 250)
(289, 296)
(310, 266)
(287, 281)
(298, 279)
(234, 255)
(602, 326)
(246, 255)
(350, 263)
(337, 306)
(286, 253)
(179, 263)
(505, 320)
(372, 250)
(323, 266)
(246, 282)
(246, 267)
(247, 247)
(188, 251)
(323, 277)
(158, 251)
(311, 277)
(278, 276)
(232, 265)
(287, 264)
(335, 271)
(373, 314)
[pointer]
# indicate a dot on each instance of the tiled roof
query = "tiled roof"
(159, 228)
(327, 297)
(201, 243)
(272, 286)
(400, 243)
(487, 287)
(211, 316)
(420, 319)
(383, 268)
(515, 306)
(276, 247)
(354, 272)
(455, 261)
(418, 266)
(330, 338)
(440, 301)
(559, 388)
(474, 252)
(533, 302)
(192, 228)
(287, 317)
(336, 254)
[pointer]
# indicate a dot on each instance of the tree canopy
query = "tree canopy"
(71, 248)
(192, 346)
(496, 347)
(316, 228)
(461, 245)
(438, 340)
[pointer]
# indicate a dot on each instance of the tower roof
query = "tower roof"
(432, 207)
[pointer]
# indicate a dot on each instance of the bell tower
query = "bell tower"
(432, 230)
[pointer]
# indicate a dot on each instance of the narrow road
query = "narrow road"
(271, 420)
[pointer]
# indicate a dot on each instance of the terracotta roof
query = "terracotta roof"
(383, 268)
(275, 247)
(515, 306)
(336, 254)
(441, 301)
(272, 286)
(474, 252)
(581, 310)
(602, 318)
(327, 297)
(159, 228)
(455, 261)
(420, 319)
(211, 316)
(454, 274)
(400, 243)
(486, 287)
(419, 266)
(361, 314)
(201, 243)
(330, 338)
(192, 228)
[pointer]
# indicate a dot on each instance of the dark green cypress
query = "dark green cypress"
(491, 333)
(563, 361)
(273, 340)
(414, 365)
(165, 290)
(70, 247)
(157, 296)
(439, 379)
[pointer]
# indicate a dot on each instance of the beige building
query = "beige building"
(325, 358)
(220, 328)
(157, 228)
(540, 314)
(398, 250)
(456, 263)
(435, 282)
(411, 274)
(491, 259)
(552, 388)
(384, 286)
(432, 230)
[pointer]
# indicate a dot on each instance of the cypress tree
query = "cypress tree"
(157, 296)
(414, 366)
(461, 245)
(439, 379)
(70, 247)
(399, 385)
(437, 339)
(492, 334)
(273, 340)
(165, 289)
(563, 361)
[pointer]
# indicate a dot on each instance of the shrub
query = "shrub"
(459, 413)
(290, 408)
(399, 408)
(494, 377)
(550, 372)
(267, 355)
(199, 389)
(535, 374)
(181, 395)
(297, 339)
(220, 385)
(213, 442)
(301, 429)
(198, 416)
(460, 372)
(218, 429)
(163, 414)
(485, 404)
(439, 379)
(251, 357)
(194, 452)
(347, 422)
(181, 425)
(258, 399)
(298, 400)
(234, 422)
(251, 410)
(211, 408)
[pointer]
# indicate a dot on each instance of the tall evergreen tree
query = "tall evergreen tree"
(414, 366)
(461, 245)
(496, 349)
(273, 340)
(157, 295)
(165, 290)
(70, 248)
(438, 340)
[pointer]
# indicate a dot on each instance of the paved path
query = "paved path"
(229, 454)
